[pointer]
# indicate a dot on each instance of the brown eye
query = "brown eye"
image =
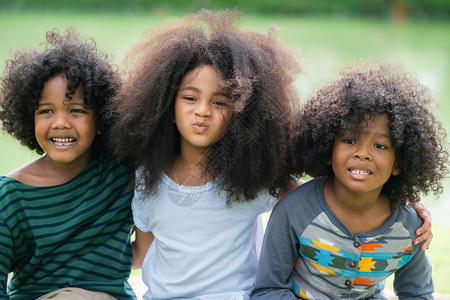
(220, 103)
(45, 111)
(379, 146)
(349, 141)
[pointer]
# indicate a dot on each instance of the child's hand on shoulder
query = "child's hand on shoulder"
(424, 232)
(292, 184)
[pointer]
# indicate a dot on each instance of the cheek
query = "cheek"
(94, 130)
(335, 154)
(89, 128)
(39, 128)
(225, 116)
(178, 121)
(178, 114)
(40, 133)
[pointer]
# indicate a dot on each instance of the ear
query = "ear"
(100, 130)
(397, 169)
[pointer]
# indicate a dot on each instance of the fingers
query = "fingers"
(424, 234)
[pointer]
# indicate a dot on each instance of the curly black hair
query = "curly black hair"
(82, 64)
(256, 69)
(344, 105)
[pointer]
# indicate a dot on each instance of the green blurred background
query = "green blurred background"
(414, 33)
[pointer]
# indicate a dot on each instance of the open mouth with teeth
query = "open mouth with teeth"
(63, 142)
(361, 172)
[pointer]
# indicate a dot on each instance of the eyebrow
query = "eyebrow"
(379, 134)
(77, 103)
(70, 101)
(386, 135)
(191, 88)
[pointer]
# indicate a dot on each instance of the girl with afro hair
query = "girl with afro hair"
(65, 218)
(373, 145)
(204, 117)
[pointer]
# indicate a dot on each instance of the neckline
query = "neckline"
(187, 189)
(52, 186)
(337, 222)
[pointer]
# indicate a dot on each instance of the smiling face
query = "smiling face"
(64, 129)
(201, 109)
(365, 163)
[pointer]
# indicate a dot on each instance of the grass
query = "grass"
(438, 255)
(325, 45)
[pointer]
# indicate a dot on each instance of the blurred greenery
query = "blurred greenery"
(326, 43)
(374, 8)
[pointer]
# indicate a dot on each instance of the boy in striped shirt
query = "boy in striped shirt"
(65, 218)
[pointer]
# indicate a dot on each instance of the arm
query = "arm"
(424, 232)
(278, 257)
(413, 280)
(140, 246)
(143, 235)
(6, 256)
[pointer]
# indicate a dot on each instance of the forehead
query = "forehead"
(55, 90)
(205, 74)
(370, 124)
(56, 83)
(377, 121)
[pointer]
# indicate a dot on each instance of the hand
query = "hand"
(424, 232)
(293, 183)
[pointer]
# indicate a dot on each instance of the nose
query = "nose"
(203, 109)
(61, 121)
(362, 153)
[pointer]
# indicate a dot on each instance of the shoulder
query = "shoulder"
(409, 217)
(303, 200)
(11, 191)
(28, 173)
(309, 190)
(109, 163)
(144, 199)
(107, 169)
(6, 183)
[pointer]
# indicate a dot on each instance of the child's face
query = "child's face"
(64, 129)
(202, 108)
(365, 163)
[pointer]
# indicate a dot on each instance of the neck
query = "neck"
(352, 201)
(189, 168)
(359, 212)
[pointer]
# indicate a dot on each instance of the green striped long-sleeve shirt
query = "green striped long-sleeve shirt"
(76, 234)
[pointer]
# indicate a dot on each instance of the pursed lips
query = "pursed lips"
(200, 126)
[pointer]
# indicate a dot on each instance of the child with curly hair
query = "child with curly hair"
(65, 218)
(374, 146)
(205, 116)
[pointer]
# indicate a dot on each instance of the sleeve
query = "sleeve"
(278, 257)
(413, 280)
(6, 257)
(267, 201)
(140, 209)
